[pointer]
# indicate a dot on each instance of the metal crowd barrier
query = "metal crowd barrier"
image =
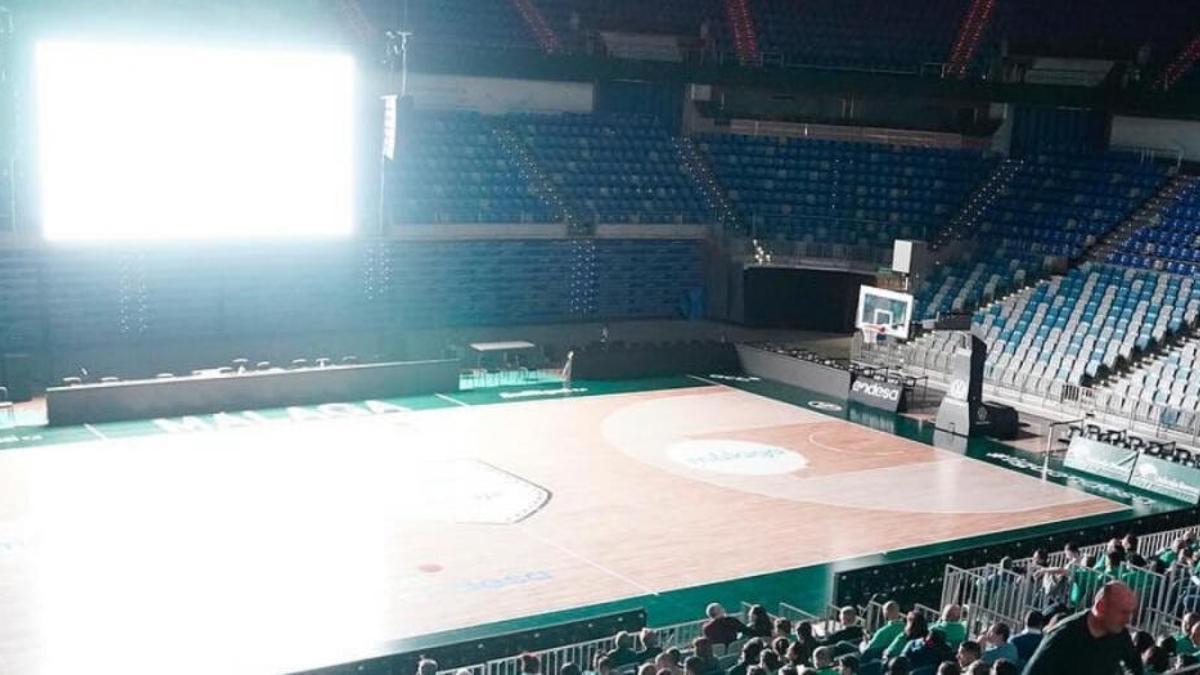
(582, 654)
(796, 615)
(992, 593)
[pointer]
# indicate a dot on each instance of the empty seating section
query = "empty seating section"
(881, 34)
(615, 168)
(1170, 381)
(669, 17)
(1070, 327)
(1060, 204)
(841, 192)
(91, 298)
(482, 23)
(20, 301)
(964, 285)
(1074, 28)
(450, 168)
(1171, 244)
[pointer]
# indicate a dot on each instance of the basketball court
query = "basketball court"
(280, 542)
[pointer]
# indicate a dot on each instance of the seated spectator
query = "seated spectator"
(1130, 543)
(1084, 578)
(1005, 667)
(822, 660)
(601, 666)
(1095, 641)
(770, 661)
(1112, 562)
(721, 629)
(893, 625)
(847, 665)
(1113, 548)
(801, 650)
(694, 665)
(789, 669)
(749, 657)
(622, 654)
(702, 649)
(1142, 641)
(427, 667)
(1175, 551)
(948, 668)
(650, 648)
(780, 646)
(952, 625)
(670, 660)
(850, 629)
(898, 666)
(929, 651)
(968, 652)
(1027, 640)
(646, 669)
(783, 628)
(996, 645)
(531, 664)
(1054, 582)
(1187, 660)
(571, 668)
(755, 670)
(978, 668)
(915, 628)
(1156, 661)
(1183, 638)
(760, 622)
(997, 581)
(1167, 643)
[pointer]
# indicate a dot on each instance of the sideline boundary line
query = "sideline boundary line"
(451, 399)
(95, 432)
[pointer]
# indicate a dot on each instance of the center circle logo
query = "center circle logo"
(741, 458)
(825, 405)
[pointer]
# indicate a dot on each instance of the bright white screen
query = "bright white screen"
(146, 142)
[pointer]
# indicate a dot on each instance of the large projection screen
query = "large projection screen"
(154, 142)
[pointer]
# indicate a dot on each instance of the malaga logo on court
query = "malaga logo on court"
(224, 421)
(742, 458)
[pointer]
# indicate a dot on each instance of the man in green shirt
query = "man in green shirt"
(1183, 639)
(893, 625)
(1085, 580)
(952, 625)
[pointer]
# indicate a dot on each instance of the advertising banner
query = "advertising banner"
(1167, 478)
(1100, 459)
(880, 394)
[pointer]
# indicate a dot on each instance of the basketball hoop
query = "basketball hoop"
(873, 333)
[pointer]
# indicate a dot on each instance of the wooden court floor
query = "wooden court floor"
(285, 545)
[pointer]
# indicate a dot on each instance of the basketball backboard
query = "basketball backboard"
(889, 309)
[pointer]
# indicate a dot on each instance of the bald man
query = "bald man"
(1094, 642)
(893, 625)
(952, 625)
